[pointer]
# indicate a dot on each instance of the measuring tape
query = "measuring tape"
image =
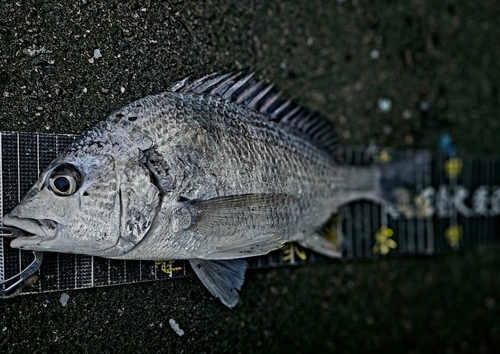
(458, 195)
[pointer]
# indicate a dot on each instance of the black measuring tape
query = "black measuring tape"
(459, 195)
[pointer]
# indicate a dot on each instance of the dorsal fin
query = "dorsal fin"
(263, 98)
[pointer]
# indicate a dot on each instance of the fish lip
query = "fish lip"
(37, 231)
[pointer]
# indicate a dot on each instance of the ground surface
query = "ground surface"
(437, 64)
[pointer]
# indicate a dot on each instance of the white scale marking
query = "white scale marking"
(422, 240)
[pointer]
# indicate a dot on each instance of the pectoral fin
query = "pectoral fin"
(226, 216)
(221, 278)
(243, 225)
(260, 246)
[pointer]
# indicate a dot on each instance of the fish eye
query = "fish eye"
(64, 180)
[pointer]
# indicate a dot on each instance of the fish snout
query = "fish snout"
(36, 230)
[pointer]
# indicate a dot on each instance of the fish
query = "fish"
(213, 170)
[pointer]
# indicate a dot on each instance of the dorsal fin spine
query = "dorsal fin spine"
(249, 93)
(261, 97)
(269, 102)
(303, 120)
(238, 84)
(281, 108)
(253, 103)
(291, 114)
(220, 89)
(210, 83)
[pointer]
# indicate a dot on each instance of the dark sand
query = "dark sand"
(340, 57)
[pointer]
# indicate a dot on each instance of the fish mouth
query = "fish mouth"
(37, 231)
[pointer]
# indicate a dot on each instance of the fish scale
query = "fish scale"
(272, 176)
(213, 170)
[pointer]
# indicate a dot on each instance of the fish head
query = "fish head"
(87, 203)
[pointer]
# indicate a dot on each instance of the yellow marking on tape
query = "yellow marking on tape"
(453, 234)
(383, 156)
(383, 242)
(453, 167)
(423, 207)
(166, 266)
(292, 249)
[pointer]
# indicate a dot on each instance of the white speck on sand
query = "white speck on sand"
(175, 327)
(64, 299)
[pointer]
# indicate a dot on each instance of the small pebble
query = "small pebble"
(64, 299)
(384, 104)
(387, 129)
(40, 62)
(97, 54)
(407, 114)
(124, 45)
(424, 106)
(409, 139)
(35, 52)
(375, 54)
(175, 327)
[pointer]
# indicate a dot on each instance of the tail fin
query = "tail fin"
(399, 179)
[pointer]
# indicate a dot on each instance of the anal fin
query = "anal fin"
(221, 277)
(328, 240)
(261, 246)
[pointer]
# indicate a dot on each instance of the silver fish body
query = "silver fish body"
(147, 161)
(186, 175)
